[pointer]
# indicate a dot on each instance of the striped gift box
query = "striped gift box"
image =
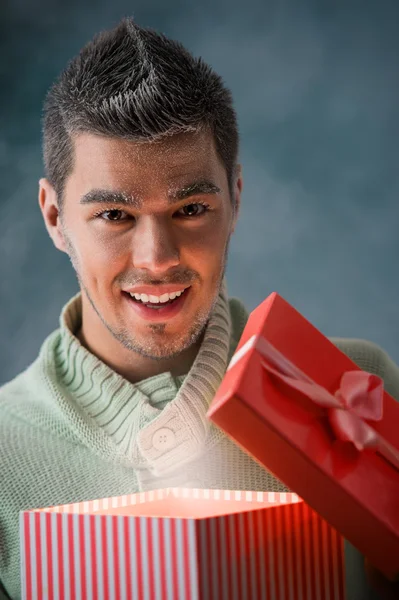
(175, 544)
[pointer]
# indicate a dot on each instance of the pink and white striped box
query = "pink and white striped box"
(176, 544)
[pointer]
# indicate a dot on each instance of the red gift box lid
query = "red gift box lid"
(295, 437)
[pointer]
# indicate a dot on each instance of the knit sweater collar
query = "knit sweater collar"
(76, 356)
(133, 414)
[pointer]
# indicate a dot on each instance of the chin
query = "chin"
(161, 352)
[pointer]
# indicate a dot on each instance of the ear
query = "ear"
(48, 203)
(237, 190)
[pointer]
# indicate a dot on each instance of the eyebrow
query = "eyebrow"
(100, 196)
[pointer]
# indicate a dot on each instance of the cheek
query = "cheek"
(97, 254)
(110, 249)
(205, 251)
(211, 237)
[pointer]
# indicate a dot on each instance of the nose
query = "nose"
(154, 247)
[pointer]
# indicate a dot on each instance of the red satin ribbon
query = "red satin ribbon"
(358, 398)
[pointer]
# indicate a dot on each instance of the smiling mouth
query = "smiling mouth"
(156, 311)
(157, 303)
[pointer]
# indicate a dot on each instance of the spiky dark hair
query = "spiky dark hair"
(136, 84)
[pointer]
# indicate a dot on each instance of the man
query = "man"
(142, 191)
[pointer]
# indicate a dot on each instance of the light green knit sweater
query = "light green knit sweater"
(72, 429)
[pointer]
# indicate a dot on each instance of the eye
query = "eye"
(195, 209)
(114, 214)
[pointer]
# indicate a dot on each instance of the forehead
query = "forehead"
(105, 161)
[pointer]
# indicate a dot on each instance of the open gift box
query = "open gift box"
(186, 544)
(320, 424)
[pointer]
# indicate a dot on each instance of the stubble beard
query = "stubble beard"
(155, 347)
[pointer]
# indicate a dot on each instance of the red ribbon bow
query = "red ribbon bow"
(358, 398)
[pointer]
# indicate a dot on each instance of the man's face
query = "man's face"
(138, 215)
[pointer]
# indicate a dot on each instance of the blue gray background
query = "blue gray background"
(316, 90)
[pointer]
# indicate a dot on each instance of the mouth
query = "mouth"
(158, 311)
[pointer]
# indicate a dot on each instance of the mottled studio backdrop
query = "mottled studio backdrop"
(316, 89)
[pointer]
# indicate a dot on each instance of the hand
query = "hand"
(386, 589)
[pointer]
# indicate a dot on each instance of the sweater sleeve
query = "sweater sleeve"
(372, 358)
(390, 374)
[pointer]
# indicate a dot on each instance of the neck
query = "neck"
(134, 367)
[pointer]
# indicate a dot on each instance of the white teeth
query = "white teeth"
(156, 299)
